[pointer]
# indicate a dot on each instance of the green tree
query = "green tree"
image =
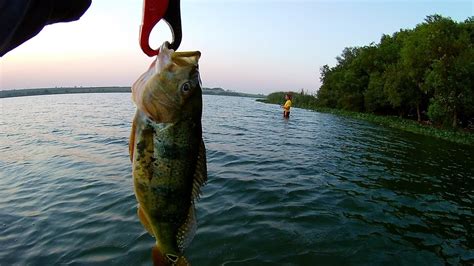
(326, 95)
(401, 91)
(427, 69)
(416, 59)
(450, 75)
(375, 99)
(387, 54)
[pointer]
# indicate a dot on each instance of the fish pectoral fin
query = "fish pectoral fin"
(187, 230)
(144, 220)
(200, 174)
(131, 143)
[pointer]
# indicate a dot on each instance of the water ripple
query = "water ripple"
(313, 189)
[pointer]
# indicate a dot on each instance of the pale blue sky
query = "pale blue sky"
(255, 46)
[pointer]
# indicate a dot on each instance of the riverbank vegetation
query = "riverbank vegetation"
(457, 135)
(419, 80)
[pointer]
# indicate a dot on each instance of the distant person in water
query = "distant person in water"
(286, 107)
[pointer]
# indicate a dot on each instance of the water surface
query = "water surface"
(314, 189)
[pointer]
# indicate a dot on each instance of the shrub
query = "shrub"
(437, 112)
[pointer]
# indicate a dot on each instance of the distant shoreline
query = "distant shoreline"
(71, 90)
(49, 91)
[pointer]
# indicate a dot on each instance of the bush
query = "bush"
(437, 112)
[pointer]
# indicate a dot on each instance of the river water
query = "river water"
(316, 189)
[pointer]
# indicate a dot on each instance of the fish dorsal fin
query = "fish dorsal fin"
(187, 230)
(200, 174)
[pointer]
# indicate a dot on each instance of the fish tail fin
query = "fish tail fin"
(160, 259)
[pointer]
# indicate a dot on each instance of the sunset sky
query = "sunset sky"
(257, 46)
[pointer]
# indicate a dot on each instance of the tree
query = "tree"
(450, 75)
(427, 69)
(375, 99)
(326, 94)
(401, 91)
(416, 59)
(387, 54)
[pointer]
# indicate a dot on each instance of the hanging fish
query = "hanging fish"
(167, 151)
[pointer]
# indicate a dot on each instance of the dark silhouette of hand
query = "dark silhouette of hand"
(23, 19)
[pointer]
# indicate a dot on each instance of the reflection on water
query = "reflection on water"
(316, 188)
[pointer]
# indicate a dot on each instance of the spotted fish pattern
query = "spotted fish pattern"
(167, 152)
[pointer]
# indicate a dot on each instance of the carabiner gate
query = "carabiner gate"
(153, 12)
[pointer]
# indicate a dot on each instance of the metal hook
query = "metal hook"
(153, 12)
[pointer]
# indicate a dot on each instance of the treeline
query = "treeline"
(222, 92)
(425, 74)
(301, 100)
(68, 90)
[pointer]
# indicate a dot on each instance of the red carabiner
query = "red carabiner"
(153, 12)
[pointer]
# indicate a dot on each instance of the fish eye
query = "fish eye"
(186, 87)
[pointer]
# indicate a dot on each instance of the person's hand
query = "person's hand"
(23, 19)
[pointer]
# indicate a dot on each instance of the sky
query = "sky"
(253, 46)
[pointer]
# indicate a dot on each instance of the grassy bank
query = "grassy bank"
(309, 102)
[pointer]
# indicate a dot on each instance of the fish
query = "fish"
(167, 151)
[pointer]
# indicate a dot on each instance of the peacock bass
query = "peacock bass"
(167, 151)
